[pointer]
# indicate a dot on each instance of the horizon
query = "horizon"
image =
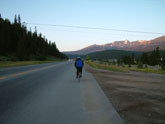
(73, 25)
(113, 42)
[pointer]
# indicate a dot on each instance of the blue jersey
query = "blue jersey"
(79, 63)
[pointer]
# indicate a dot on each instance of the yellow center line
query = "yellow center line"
(25, 72)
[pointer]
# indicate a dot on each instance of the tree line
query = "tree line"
(23, 44)
(148, 58)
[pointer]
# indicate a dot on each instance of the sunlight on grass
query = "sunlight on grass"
(107, 67)
(4, 64)
(123, 69)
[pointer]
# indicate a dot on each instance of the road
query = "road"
(51, 94)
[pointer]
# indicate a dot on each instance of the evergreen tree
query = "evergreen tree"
(127, 60)
(17, 41)
(144, 58)
(133, 58)
(15, 19)
(19, 19)
(155, 57)
(119, 62)
(163, 63)
(158, 57)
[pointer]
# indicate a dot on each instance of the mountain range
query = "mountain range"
(139, 45)
(116, 54)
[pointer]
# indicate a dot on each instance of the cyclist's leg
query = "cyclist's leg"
(77, 73)
(81, 72)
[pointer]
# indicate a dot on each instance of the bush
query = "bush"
(140, 65)
(113, 63)
(41, 58)
(92, 60)
(163, 63)
(87, 57)
(119, 62)
(146, 66)
(8, 58)
(3, 58)
(123, 65)
(101, 62)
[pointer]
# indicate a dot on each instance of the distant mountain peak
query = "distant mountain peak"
(126, 41)
(139, 45)
(141, 41)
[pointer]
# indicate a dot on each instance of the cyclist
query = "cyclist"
(79, 65)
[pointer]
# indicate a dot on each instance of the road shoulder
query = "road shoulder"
(138, 97)
(98, 108)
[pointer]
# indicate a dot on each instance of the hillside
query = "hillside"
(116, 54)
(73, 56)
(112, 54)
(139, 45)
(86, 50)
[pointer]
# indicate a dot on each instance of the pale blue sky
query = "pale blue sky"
(138, 15)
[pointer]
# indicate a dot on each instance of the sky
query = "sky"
(130, 15)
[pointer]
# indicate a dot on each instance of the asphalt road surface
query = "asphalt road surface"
(51, 94)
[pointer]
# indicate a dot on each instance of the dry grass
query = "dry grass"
(123, 69)
(4, 64)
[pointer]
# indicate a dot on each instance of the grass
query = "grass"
(148, 70)
(123, 69)
(4, 64)
(107, 67)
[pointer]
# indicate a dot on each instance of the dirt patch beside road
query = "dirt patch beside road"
(138, 97)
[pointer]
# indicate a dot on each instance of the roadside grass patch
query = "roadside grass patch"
(148, 70)
(123, 69)
(107, 67)
(4, 64)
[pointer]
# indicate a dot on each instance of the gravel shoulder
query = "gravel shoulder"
(138, 97)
